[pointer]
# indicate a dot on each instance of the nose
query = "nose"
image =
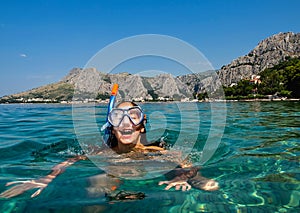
(125, 121)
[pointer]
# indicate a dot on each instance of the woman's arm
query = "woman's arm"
(40, 183)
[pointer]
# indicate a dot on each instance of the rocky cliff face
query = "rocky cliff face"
(87, 80)
(266, 54)
(130, 86)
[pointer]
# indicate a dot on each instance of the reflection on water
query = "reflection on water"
(256, 163)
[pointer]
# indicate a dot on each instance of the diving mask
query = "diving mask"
(135, 115)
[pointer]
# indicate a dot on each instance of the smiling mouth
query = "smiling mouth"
(126, 132)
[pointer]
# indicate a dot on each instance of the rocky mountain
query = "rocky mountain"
(82, 84)
(266, 54)
(131, 87)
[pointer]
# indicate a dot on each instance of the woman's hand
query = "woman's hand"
(200, 182)
(23, 186)
(180, 181)
(41, 183)
(187, 178)
(177, 184)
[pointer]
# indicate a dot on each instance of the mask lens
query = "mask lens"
(116, 116)
(136, 115)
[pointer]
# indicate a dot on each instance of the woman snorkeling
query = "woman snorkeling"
(127, 135)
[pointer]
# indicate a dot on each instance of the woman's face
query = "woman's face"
(127, 133)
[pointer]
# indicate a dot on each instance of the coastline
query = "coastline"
(159, 102)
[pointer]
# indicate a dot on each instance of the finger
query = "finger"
(184, 187)
(14, 182)
(37, 192)
(169, 186)
(177, 187)
(8, 193)
(12, 192)
(5, 194)
(163, 182)
(18, 189)
(188, 187)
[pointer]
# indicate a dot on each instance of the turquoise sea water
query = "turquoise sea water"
(256, 163)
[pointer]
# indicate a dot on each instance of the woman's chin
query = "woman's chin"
(127, 139)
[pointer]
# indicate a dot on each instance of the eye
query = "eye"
(135, 114)
(117, 114)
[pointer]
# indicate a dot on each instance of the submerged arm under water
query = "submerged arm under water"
(41, 183)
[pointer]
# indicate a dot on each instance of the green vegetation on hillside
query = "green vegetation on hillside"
(101, 96)
(282, 80)
(52, 93)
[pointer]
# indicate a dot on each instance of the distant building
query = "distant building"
(185, 100)
(255, 79)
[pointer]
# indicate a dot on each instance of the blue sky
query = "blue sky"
(41, 40)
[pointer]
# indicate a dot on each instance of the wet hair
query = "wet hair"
(112, 140)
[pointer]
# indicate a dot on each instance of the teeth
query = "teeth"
(126, 132)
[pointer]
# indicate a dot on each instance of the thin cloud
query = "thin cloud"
(23, 55)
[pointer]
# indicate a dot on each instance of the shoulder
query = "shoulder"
(161, 144)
